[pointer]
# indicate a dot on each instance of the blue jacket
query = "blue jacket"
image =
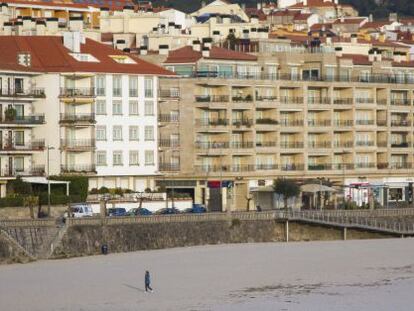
(147, 278)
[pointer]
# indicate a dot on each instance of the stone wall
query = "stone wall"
(24, 212)
(83, 240)
(10, 252)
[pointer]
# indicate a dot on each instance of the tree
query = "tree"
(31, 202)
(287, 188)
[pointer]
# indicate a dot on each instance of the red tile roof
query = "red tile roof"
(314, 3)
(188, 55)
(118, 5)
(357, 59)
(48, 54)
(350, 20)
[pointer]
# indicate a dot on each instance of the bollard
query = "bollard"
(104, 249)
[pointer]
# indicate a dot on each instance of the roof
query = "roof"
(350, 20)
(314, 188)
(357, 59)
(79, 4)
(48, 54)
(314, 3)
(188, 55)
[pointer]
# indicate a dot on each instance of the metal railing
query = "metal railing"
(212, 98)
(78, 143)
(28, 119)
(212, 122)
(17, 92)
(291, 145)
(166, 117)
(11, 144)
(319, 123)
(169, 167)
(267, 121)
(77, 117)
(169, 93)
(79, 168)
(77, 92)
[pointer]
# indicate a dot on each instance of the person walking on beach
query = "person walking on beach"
(147, 281)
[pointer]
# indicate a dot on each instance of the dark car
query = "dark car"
(117, 211)
(196, 209)
(168, 211)
(139, 212)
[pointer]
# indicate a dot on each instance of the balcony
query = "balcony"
(242, 122)
(38, 170)
(343, 101)
(169, 143)
(168, 118)
(78, 144)
(212, 145)
(381, 102)
(382, 144)
(266, 167)
(382, 165)
(364, 100)
(77, 92)
(267, 121)
(343, 144)
(11, 145)
(173, 93)
(344, 123)
(319, 167)
(77, 118)
(317, 123)
(370, 143)
(365, 165)
(291, 145)
(292, 123)
(365, 122)
(266, 98)
(319, 100)
(400, 165)
(169, 167)
(320, 145)
(243, 168)
(212, 98)
(381, 122)
(241, 144)
(21, 93)
(400, 102)
(78, 168)
(400, 123)
(265, 144)
(343, 166)
(212, 122)
(23, 120)
(241, 99)
(291, 100)
(292, 167)
(404, 144)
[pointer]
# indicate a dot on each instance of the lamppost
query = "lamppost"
(48, 148)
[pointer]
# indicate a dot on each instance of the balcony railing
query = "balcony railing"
(265, 98)
(212, 122)
(382, 122)
(365, 122)
(262, 144)
(170, 143)
(242, 122)
(402, 123)
(343, 166)
(319, 122)
(400, 102)
(364, 100)
(77, 92)
(169, 93)
(242, 99)
(267, 121)
(365, 165)
(241, 144)
(291, 100)
(17, 92)
(319, 167)
(322, 144)
(166, 117)
(291, 122)
(37, 170)
(291, 145)
(78, 144)
(319, 100)
(404, 144)
(343, 101)
(382, 144)
(343, 123)
(292, 167)
(77, 117)
(365, 143)
(30, 119)
(400, 165)
(343, 144)
(382, 102)
(212, 145)
(266, 167)
(79, 168)
(11, 145)
(169, 167)
(212, 98)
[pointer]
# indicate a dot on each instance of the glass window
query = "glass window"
(133, 157)
(149, 133)
(117, 133)
(149, 108)
(149, 85)
(133, 86)
(19, 164)
(117, 86)
(149, 157)
(18, 85)
(100, 107)
(101, 158)
(117, 158)
(101, 132)
(133, 107)
(117, 107)
(19, 138)
(133, 133)
(19, 111)
(100, 85)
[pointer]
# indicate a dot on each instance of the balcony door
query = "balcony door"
(18, 85)
(10, 166)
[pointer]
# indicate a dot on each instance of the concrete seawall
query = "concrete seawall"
(84, 239)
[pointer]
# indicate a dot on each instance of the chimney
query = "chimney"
(305, 2)
(354, 39)
(163, 49)
(128, 9)
(197, 46)
(393, 17)
(72, 41)
(143, 50)
(259, 5)
(203, 4)
(40, 28)
(226, 19)
(207, 42)
(371, 55)
(4, 8)
(254, 19)
(27, 22)
(206, 52)
(216, 35)
(52, 25)
(171, 28)
(245, 33)
(371, 18)
(338, 51)
(104, 11)
(24, 59)
(329, 39)
(18, 28)
(76, 23)
(7, 28)
(378, 56)
(120, 44)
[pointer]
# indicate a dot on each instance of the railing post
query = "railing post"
(287, 230)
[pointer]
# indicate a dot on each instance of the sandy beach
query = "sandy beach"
(339, 275)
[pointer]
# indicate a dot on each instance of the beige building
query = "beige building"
(245, 121)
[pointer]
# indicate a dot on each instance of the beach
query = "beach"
(334, 275)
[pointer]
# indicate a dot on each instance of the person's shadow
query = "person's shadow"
(133, 287)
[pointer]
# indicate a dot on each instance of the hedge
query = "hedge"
(78, 185)
(11, 201)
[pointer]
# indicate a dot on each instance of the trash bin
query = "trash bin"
(104, 249)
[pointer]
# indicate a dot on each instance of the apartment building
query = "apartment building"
(93, 107)
(299, 114)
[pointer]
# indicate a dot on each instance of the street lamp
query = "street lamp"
(48, 180)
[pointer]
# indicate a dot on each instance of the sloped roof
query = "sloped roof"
(188, 55)
(48, 54)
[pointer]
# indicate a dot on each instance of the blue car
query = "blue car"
(196, 209)
(139, 212)
(168, 211)
(117, 211)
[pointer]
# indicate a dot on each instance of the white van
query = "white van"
(80, 210)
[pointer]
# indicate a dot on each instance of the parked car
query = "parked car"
(168, 211)
(79, 211)
(196, 209)
(117, 211)
(139, 212)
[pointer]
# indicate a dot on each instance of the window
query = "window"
(117, 86)
(117, 107)
(149, 133)
(18, 85)
(101, 132)
(100, 85)
(133, 133)
(100, 107)
(149, 87)
(395, 194)
(117, 133)
(133, 108)
(101, 158)
(19, 164)
(133, 157)
(19, 111)
(133, 86)
(149, 108)
(19, 138)
(117, 158)
(149, 157)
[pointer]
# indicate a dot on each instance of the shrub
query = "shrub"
(147, 190)
(103, 190)
(11, 201)
(18, 186)
(78, 185)
(235, 222)
(94, 191)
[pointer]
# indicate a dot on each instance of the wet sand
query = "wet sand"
(339, 275)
